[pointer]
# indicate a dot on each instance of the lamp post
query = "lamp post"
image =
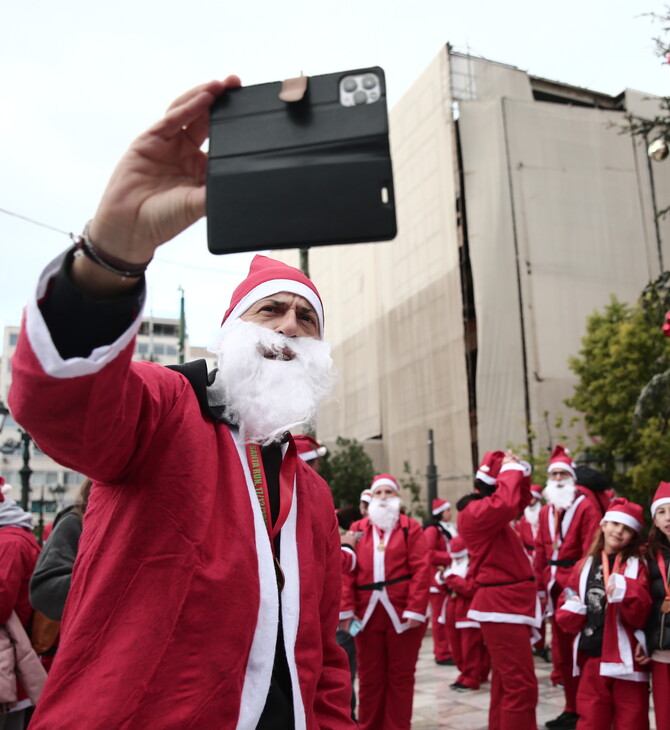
(4, 412)
(431, 471)
(25, 470)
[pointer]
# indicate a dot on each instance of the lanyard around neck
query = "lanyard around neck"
(606, 566)
(286, 481)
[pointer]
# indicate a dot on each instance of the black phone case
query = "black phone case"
(298, 174)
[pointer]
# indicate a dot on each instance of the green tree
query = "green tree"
(348, 470)
(411, 481)
(622, 352)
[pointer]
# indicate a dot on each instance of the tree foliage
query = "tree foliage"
(348, 470)
(623, 390)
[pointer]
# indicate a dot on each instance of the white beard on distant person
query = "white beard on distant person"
(532, 513)
(561, 497)
(384, 513)
(267, 382)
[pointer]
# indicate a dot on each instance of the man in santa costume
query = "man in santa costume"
(568, 524)
(438, 533)
(387, 591)
(505, 604)
(206, 589)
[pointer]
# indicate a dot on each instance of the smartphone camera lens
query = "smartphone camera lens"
(369, 82)
(350, 85)
(360, 97)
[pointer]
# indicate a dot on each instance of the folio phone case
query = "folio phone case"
(299, 173)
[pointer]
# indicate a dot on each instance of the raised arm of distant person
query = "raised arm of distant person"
(156, 191)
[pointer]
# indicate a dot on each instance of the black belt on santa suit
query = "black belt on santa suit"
(508, 583)
(380, 584)
(562, 563)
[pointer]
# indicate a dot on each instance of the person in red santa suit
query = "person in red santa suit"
(19, 551)
(606, 602)
(568, 523)
(465, 636)
(438, 533)
(506, 603)
(387, 591)
(207, 585)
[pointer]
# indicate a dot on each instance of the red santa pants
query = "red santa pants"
(453, 634)
(602, 701)
(440, 634)
(660, 688)
(386, 665)
(563, 662)
(475, 664)
(513, 682)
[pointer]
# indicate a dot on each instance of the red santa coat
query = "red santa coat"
(627, 612)
(525, 532)
(506, 591)
(462, 592)
(570, 542)
(405, 554)
(438, 552)
(19, 551)
(172, 616)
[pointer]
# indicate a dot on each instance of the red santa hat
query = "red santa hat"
(561, 459)
(366, 496)
(490, 466)
(384, 480)
(439, 505)
(457, 548)
(267, 277)
(308, 447)
(662, 496)
(625, 512)
(536, 491)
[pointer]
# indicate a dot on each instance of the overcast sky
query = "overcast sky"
(79, 80)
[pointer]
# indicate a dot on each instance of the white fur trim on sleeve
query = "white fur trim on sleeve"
(344, 615)
(511, 466)
(573, 606)
(415, 616)
(45, 350)
(619, 588)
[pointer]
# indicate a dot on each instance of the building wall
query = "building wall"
(559, 215)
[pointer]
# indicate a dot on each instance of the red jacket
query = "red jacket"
(506, 591)
(173, 612)
(462, 592)
(438, 552)
(19, 551)
(573, 540)
(626, 615)
(405, 556)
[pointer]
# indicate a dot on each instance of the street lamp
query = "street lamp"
(4, 412)
(25, 470)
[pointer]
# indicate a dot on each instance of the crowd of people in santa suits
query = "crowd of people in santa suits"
(491, 582)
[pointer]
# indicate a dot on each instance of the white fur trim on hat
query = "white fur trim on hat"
(314, 454)
(384, 482)
(562, 465)
(275, 286)
(655, 505)
(623, 518)
(485, 477)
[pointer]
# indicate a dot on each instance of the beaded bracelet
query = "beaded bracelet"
(85, 247)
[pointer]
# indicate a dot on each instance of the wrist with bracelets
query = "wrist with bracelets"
(85, 247)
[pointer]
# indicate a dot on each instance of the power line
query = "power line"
(210, 269)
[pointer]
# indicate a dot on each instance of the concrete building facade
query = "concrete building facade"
(522, 207)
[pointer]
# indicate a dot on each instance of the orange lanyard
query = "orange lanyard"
(606, 566)
(286, 481)
(665, 606)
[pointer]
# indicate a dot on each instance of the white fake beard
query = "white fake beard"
(384, 513)
(267, 396)
(459, 567)
(561, 497)
(532, 513)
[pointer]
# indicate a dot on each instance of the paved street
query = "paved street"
(437, 707)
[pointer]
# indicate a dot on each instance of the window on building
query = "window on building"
(13, 339)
